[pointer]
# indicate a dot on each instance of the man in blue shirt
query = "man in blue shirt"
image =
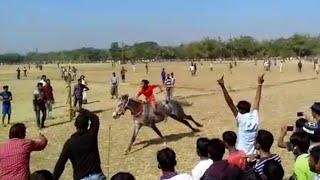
(163, 76)
(6, 97)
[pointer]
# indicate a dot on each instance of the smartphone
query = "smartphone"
(299, 114)
(289, 128)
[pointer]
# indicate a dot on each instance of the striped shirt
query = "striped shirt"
(169, 83)
(261, 162)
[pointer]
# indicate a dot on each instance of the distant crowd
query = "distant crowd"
(242, 155)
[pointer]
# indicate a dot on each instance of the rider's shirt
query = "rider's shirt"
(147, 92)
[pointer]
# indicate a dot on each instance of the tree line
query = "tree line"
(208, 48)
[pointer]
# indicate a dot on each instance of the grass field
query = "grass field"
(283, 95)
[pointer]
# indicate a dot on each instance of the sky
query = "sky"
(26, 25)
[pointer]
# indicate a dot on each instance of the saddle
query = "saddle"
(162, 109)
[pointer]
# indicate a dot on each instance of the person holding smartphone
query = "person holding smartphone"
(285, 129)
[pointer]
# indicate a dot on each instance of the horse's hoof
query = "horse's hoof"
(196, 130)
(126, 152)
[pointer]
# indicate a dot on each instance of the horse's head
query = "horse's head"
(121, 106)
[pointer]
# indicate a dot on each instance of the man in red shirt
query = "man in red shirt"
(147, 91)
(48, 92)
(15, 154)
(236, 157)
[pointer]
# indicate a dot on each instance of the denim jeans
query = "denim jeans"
(99, 176)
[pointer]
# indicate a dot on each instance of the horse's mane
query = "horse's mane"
(137, 100)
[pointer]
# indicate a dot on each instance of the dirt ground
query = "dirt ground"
(283, 95)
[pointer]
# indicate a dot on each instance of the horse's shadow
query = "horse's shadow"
(169, 138)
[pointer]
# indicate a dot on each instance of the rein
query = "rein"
(124, 107)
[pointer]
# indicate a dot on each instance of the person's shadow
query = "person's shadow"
(169, 138)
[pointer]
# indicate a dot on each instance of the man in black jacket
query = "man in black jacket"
(82, 149)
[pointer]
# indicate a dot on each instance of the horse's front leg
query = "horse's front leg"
(134, 135)
(155, 129)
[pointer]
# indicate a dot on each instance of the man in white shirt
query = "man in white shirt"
(114, 83)
(205, 162)
(281, 66)
(247, 122)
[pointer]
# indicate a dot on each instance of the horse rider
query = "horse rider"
(147, 91)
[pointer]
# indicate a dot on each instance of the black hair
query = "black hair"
(5, 87)
(43, 76)
(300, 139)
(265, 140)
(146, 82)
(315, 154)
(230, 138)
(202, 147)
(41, 175)
(123, 176)
(17, 130)
(79, 80)
(300, 122)
(244, 107)
(216, 149)
(82, 122)
(273, 170)
(166, 159)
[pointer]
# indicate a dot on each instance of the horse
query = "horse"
(143, 115)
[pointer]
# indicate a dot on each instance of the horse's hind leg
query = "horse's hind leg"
(133, 138)
(155, 129)
(184, 122)
(194, 121)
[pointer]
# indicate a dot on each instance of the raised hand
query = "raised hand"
(221, 81)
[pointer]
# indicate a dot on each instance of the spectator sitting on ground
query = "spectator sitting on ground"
(166, 162)
(220, 169)
(123, 176)
(314, 161)
(300, 143)
(264, 141)
(82, 149)
(205, 162)
(298, 128)
(273, 170)
(247, 122)
(236, 157)
(15, 154)
(41, 175)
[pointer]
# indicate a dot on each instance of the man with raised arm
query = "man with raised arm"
(82, 149)
(247, 121)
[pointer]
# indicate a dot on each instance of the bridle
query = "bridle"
(123, 108)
